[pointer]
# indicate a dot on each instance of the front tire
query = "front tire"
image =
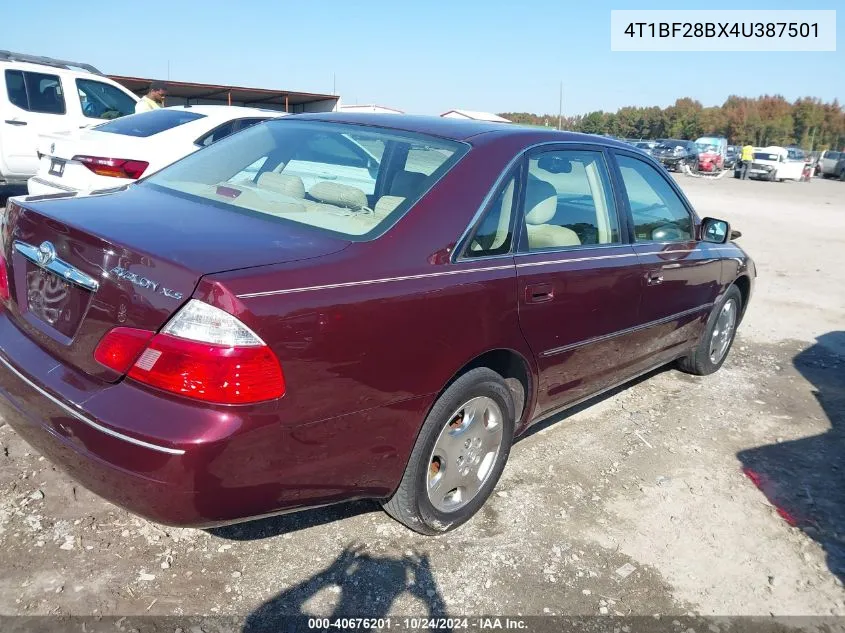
(459, 455)
(713, 348)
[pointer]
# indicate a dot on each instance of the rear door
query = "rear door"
(34, 103)
(578, 279)
(681, 274)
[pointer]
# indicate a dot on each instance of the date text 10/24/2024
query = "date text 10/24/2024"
(417, 624)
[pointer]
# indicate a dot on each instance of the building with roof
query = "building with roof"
(188, 93)
(371, 109)
(474, 116)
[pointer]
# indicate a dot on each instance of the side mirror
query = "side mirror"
(715, 231)
(735, 234)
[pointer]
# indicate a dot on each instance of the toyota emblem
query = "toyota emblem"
(46, 253)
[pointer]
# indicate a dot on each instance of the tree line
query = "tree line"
(808, 122)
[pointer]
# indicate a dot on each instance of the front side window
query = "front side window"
(147, 124)
(658, 212)
(568, 201)
(309, 172)
(102, 101)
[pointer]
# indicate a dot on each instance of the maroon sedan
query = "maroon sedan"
(327, 307)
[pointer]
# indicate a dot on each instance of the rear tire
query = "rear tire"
(717, 340)
(476, 402)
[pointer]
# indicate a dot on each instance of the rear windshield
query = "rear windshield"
(672, 144)
(832, 155)
(347, 179)
(149, 123)
(765, 156)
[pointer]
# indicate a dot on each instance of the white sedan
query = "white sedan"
(120, 151)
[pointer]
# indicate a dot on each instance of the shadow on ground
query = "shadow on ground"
(355, 585)
(286, 523)
(805, 479)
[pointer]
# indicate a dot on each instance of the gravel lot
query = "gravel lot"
(676, 495)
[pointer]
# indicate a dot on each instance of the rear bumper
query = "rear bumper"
(37, 186)
(177, 463)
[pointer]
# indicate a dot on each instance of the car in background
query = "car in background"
(39, 95)
(732, 155)
(827, 163)
(646, 146)
(839, 171)
(676, 153)
(119, 152)
(773, 164)
(219, 342)
(712, 151)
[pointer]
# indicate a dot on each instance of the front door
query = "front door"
(578, 280)
(681, 274)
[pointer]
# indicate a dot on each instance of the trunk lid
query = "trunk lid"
(56, 150)
(131, 258)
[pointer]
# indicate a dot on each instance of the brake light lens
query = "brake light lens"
(120, 347)
(114, 167)
(5, 293)
(203, 353)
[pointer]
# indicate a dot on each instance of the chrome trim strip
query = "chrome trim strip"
(47, 183)
(57, 267)
(572, 259)
(630, 330)
(89, 422)
(350, 284)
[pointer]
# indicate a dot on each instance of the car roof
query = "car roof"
(226, 112)
(455, 129)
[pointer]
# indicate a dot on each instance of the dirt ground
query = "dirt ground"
(675, 495)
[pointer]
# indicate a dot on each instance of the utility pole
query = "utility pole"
(560, 109)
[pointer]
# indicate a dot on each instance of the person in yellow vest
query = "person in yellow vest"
(154, 99)
(747, 159)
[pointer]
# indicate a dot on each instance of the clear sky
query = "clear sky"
(422, 57)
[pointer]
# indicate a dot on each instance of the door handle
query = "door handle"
(654, 278)
(15, 122)
(539, 293)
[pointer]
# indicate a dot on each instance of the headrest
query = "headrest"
(540, 201)
(282, 183)
(407, 183)
(386, 204)
(339, 195)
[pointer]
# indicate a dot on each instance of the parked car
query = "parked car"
(840, 167)
(732, 156)
(219, 342)
(674, 154)
(827, 163)
(119, 152)
(712, 151)
(646, 146)
(773, 164)
(39, 95)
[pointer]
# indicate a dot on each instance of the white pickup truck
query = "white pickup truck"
(773, 164)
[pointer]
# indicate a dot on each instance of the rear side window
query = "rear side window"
(494, 233)
(149, 123)
(35, 92)
(102, 101)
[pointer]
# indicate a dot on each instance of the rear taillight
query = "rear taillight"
(202, 353)
(114, 167)
(5, 293)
